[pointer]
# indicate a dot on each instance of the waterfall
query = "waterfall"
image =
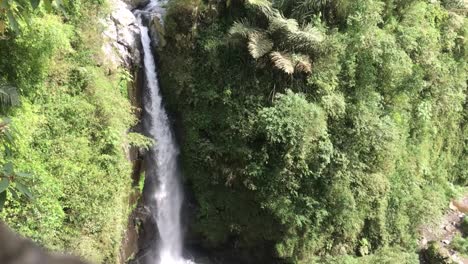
(162, 159)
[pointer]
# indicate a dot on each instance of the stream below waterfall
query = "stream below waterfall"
(163, 188)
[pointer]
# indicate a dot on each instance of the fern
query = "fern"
(282, 61)
(259, 45)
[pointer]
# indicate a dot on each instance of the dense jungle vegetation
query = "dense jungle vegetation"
(311, 131)
(319, 130)
(64, 124)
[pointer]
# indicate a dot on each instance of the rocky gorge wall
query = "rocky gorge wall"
(121, 47)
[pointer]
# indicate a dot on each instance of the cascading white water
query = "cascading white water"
(168, 195)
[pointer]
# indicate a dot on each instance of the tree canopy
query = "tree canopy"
(323, 127)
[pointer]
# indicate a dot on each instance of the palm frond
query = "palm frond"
(264, 6)
(302, 63)
(312, 34)
(242, 28)
(280, 23)
(282, 61)
(306, 8)
(260, 3)
(306, 39)
(292, 35)
(259, 44)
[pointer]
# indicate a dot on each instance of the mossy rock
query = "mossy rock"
(436, 254)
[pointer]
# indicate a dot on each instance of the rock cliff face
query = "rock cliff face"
(121, 37)
(121, 48)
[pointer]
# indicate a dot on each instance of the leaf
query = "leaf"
(5, 121)
(48, 5)
(24, 190)
(26, 16)
(9, 136)
(23, 174)
(302, 63)
(61, 4)
(259, 45)
(260, 3)
(3, 4)
(13, 22)
(282, 61)
(35, 3)
(2, 28)
(8, 150)
(14, 194)
(2, 200)
(282, 24)
(8, 168)
(4, 183)
(241, 28)
(304, 66)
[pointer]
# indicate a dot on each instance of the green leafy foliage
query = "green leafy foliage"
(384, 255)
(460, 244)
(283, 40)
(15, 12)
(138, 140)
(11, 179)
(435, 253)
(347, 156)
(70, 130)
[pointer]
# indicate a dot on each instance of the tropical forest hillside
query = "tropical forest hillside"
(319, 128)
(65, 180)
(310, 131)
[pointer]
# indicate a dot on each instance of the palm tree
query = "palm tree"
(283, 42)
